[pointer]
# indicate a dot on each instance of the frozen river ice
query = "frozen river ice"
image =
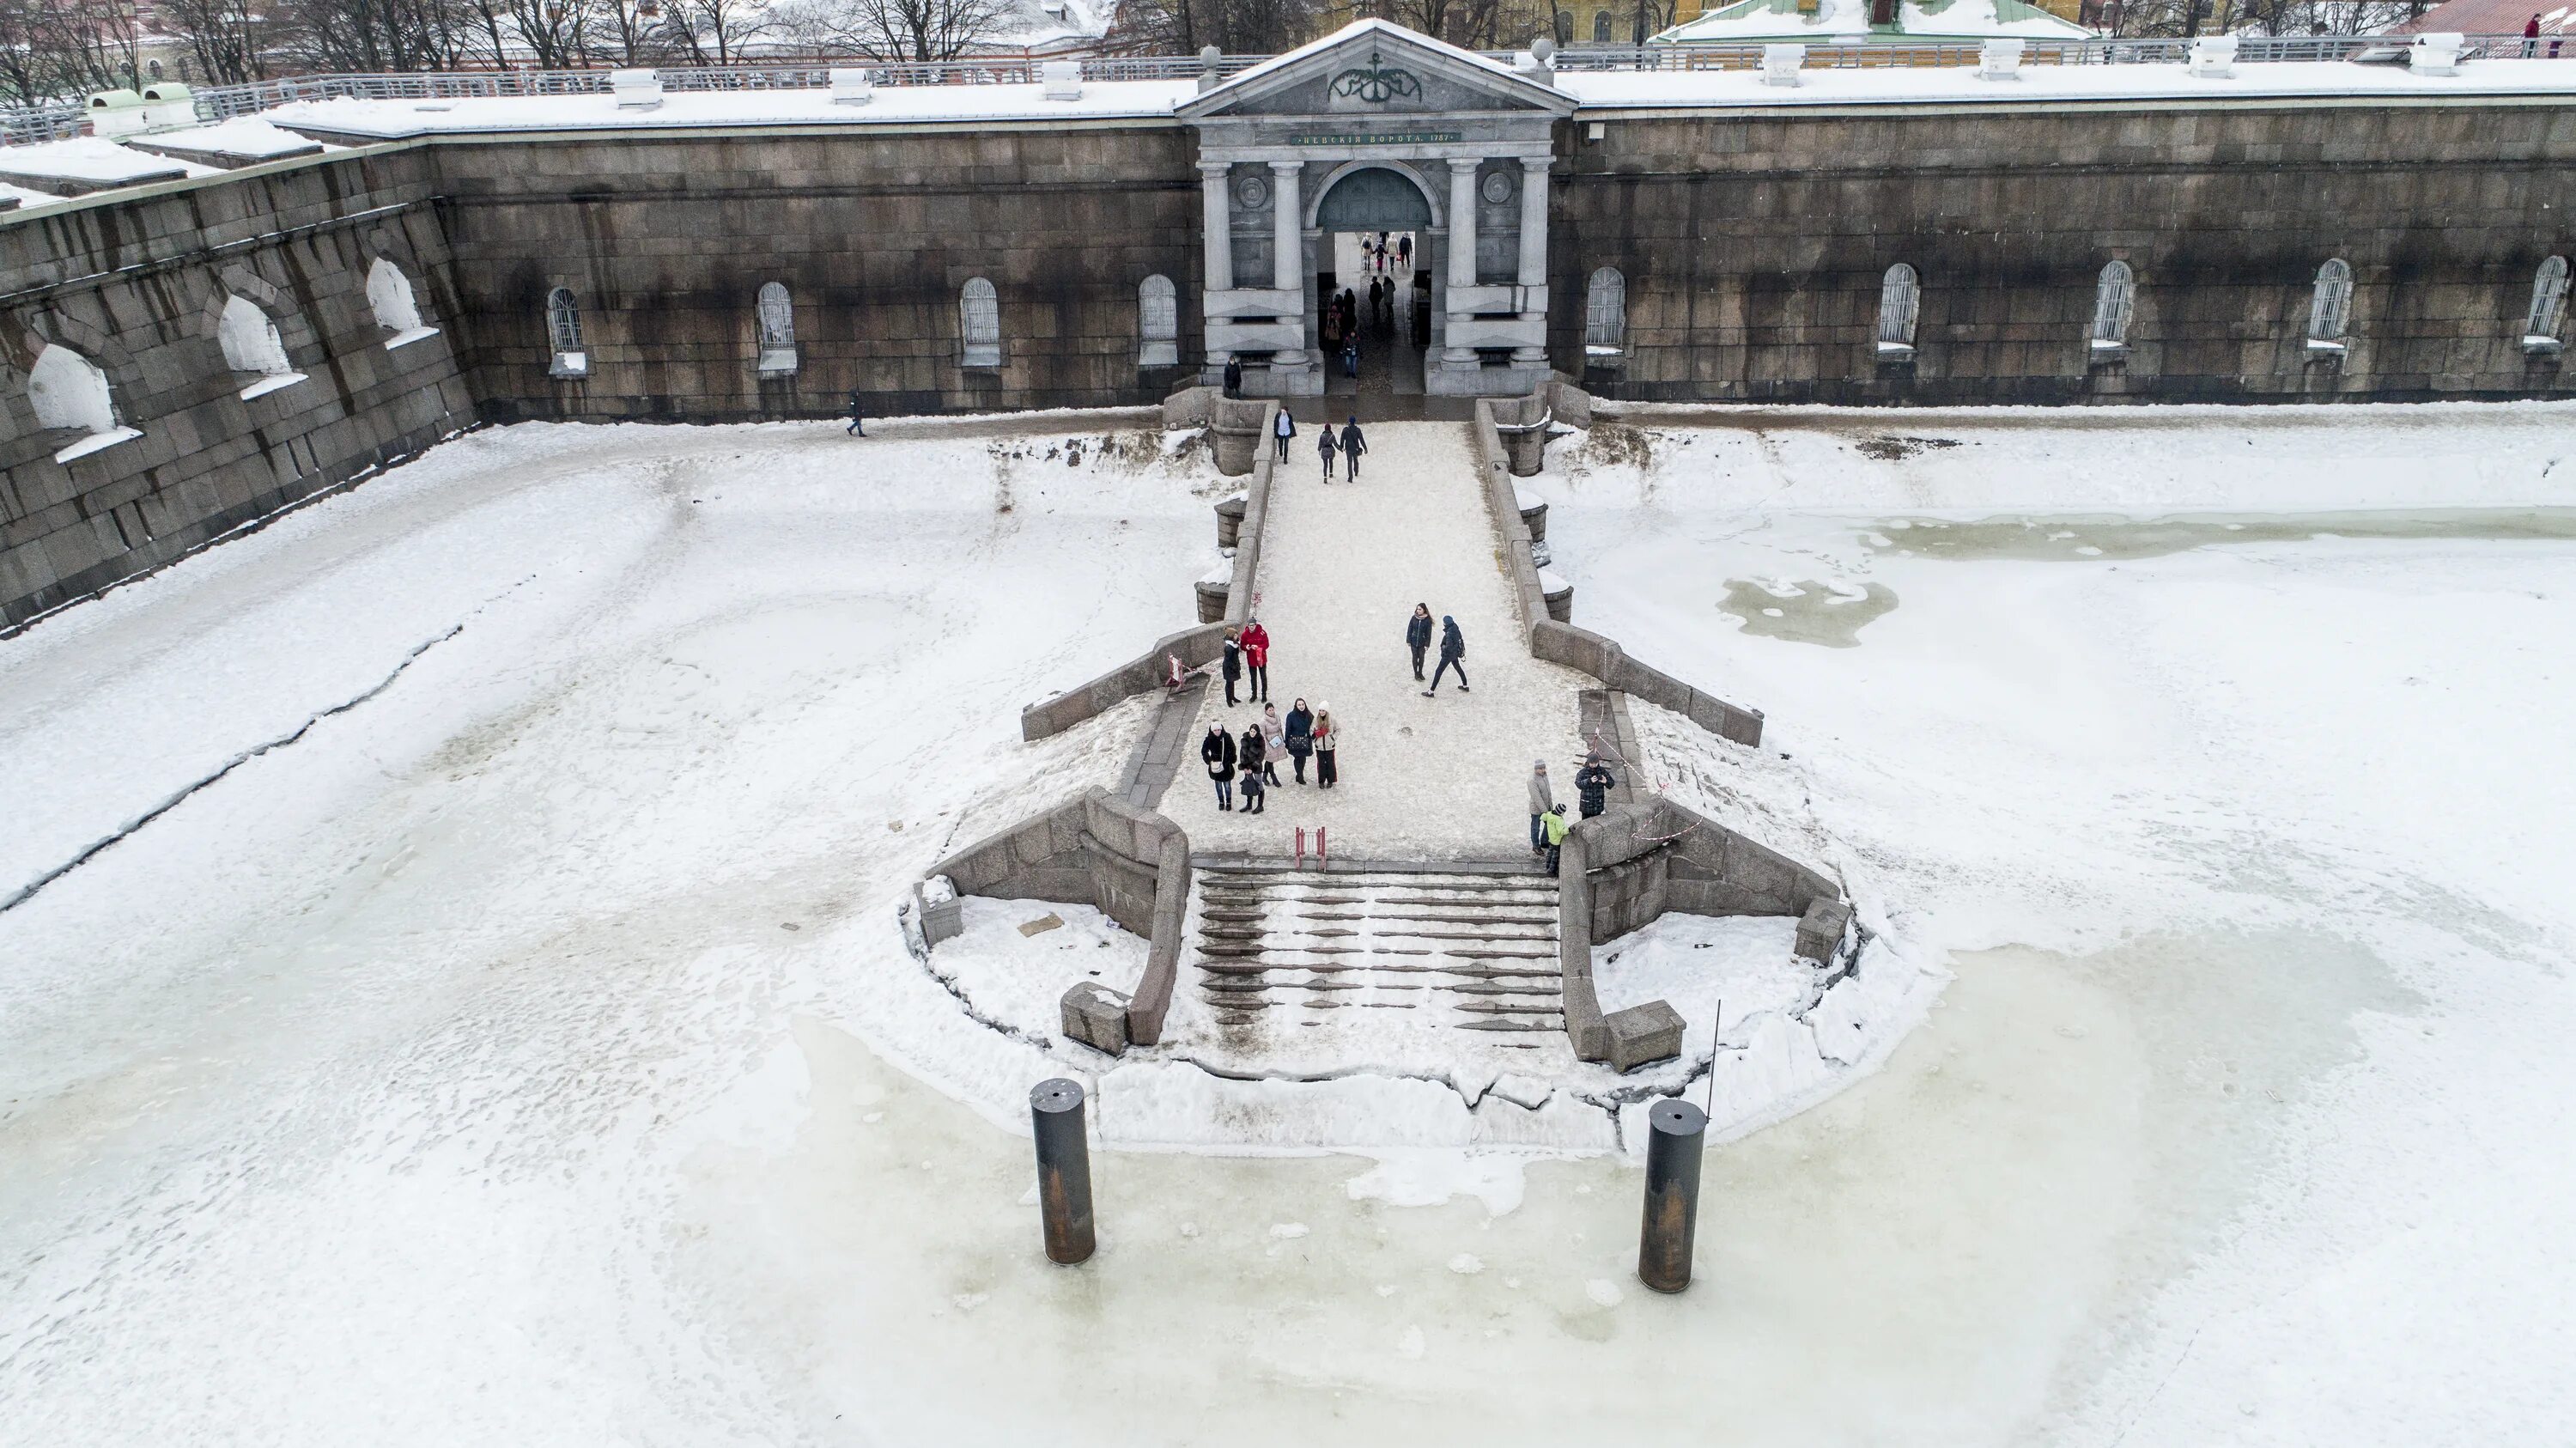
(521, 1053)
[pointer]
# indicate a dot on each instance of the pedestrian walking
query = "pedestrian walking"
(1232, 667)
(1282, 430)
(1417, 637)
(1328, 771)
(1218, 750)
(858, 417)
(2531, 36)
(1542, 799)
(1453, 655)
(1233, 376)
(1404, 251)
(1351, 355)
(1274, 742)
(1327, 446)
(1592, 785)
(1300, 737)
(1552, 828)
(1256, 660)
(1352, 446)
(1253, 765)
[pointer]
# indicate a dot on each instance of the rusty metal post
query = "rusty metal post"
(1673, 1135)
(1064, 1170)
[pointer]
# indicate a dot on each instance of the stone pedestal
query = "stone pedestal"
(1640, 1034)
(1096, 1016)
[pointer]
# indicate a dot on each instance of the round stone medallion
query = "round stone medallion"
(1497, 187)
(1253, 192)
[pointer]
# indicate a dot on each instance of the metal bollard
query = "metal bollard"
(1674, 1131)
(1064, 1170)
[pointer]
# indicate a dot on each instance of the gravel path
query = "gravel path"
(1342, 568)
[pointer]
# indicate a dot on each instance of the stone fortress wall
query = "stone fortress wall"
(1752, 244)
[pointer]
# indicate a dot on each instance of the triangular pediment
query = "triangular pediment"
(1376, 68)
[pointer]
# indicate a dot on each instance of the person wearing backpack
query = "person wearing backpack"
(1453, 655)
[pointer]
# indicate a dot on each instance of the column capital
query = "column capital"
(1465, 165)
(1215, 168)
(1286, 168)
(1536, 164)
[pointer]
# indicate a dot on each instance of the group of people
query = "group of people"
(1379, 257)
(1349, 445)
(1548, 826)
(1453, 648)
(1300, 735)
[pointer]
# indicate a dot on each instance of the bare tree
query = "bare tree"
(224, 38)
(713, 32)
(903, 29)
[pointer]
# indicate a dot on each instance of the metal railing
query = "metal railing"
(217, 103)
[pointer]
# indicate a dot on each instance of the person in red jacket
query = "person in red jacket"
(1256, 659)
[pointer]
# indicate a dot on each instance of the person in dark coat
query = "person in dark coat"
(1417, 637)
(1233, 376)
(1232, 668)
(1327, 444)
(1300, 737)
(1218, 751)
(858, 420)
(1592, 785)
(1352, 446)
(1282, 430)
(1249, 755)
(1453, 655)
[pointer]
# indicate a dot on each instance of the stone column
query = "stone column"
(1462, 222)
(1462, 254)
(1216, 219)
(1288, 244)
(1534, 220)
(1533, 271)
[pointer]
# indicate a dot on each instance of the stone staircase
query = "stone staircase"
(1469, 950)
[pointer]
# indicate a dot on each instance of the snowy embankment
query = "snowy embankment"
(2251, 721)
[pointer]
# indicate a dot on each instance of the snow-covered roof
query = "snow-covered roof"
(1959, 85)
(92, 160)
(915, 104)
(248, 136)
(1753, 22)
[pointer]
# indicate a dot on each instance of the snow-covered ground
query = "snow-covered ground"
(502, 1036)
(1342, 567)
(2242, 733)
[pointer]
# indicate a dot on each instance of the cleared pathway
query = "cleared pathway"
(1342, 568)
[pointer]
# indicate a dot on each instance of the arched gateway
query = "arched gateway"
(1379, 129)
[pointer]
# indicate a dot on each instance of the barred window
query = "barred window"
(1900, 298)
(2330, 310)
(2115, 297)
(979, 314)
(2540, 329)
(777, 317)
(1605, 314)
(563, 329)
(1158, 323)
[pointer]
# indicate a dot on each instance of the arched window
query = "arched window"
(1158, 323)
(1605, 317)
(1564, 27)
(979, 320)
(563, 332)
(389, 296)
(2115, 296)
(69, 392)
(2330, 310)
(2540, 329)
(253, 348)
(1601, 27)
(1900, 297)
(777, 314)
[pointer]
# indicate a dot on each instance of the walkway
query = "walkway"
(1342, 567)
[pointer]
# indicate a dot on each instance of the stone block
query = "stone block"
(1096, 1016)
(1211, 596)
(1641, 1034)
(1820, 930)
